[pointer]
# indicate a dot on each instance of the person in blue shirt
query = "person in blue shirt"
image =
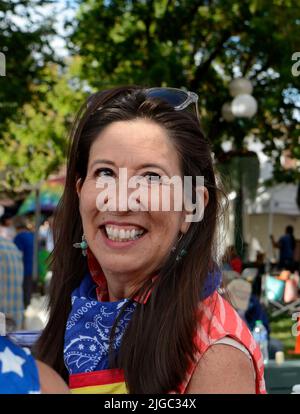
(20, 373)
(286, 245)
(11, 282)
(24, 241)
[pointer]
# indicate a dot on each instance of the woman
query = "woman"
(139, 311)
(286, 245)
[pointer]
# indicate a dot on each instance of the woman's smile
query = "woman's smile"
(120, 235)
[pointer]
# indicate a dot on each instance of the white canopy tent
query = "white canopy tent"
(280, 199)
(273, 209)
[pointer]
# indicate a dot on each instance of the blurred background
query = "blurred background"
(241, 58)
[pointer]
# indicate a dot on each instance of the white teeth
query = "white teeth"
(118, 234)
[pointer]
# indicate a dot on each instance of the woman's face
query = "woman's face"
(130, 242)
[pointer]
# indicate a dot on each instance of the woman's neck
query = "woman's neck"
(121, 286)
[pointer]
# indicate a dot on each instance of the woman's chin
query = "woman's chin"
(119, 266)
(119, 257)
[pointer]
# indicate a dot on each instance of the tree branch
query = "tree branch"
(203, 68)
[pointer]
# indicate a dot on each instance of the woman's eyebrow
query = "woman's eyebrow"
(102, 162)
(142, 166)
(152, 165)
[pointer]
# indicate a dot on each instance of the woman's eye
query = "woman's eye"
(153, 177)
(104, 172)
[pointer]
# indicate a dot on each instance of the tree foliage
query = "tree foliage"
(35, 145)
(38, 96)
(25, 42)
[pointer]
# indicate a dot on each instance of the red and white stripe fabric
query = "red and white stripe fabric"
(218, 319)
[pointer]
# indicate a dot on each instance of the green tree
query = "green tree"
(35, 145)
(25, 41)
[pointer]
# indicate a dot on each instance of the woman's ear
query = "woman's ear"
(204, 191)
(184, 226)
(194, 212)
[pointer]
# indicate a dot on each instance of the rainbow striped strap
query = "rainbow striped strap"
(107, 381)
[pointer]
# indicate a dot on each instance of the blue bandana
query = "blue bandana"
(89, 325)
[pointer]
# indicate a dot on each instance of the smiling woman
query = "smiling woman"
(140, 312)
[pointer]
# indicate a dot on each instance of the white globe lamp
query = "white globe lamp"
(244, 106)
(240, 86)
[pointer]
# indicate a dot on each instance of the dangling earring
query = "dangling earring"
(174, 248)
(82, 245)
(182, 252)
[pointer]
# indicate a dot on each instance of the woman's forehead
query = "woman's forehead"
(134, 142)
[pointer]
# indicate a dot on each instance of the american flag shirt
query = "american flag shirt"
(18, 370)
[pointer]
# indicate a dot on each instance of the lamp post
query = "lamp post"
(243, 105)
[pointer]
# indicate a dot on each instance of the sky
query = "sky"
(60, 11)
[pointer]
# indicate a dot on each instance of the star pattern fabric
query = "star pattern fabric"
(11, 362)
(18, 371)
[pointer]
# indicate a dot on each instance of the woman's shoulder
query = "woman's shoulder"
(51, 382)
(223, 369)
(217, 319)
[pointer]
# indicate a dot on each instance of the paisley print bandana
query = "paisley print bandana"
(87, 335)
(88, 329)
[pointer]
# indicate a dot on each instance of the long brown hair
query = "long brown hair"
(158, 345)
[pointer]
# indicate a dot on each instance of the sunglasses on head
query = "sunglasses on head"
(177, 98)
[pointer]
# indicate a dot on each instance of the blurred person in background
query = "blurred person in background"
(24, 241)
(286, 245)
(260, 265)
(43, 256)
(251, 310)
(231, 260)
(11, 282)
(49, 235)
(46, 234)
(7, 229)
